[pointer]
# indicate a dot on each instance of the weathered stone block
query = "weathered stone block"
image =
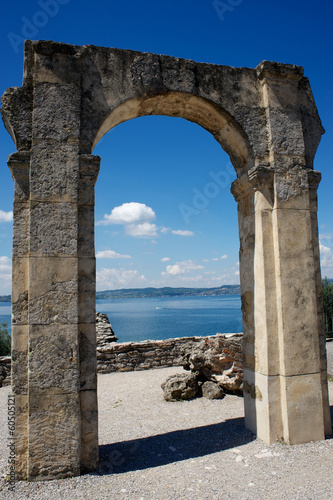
(54, 435)
(302, 401)
(51, 121)
(89, 168)
(296, 301)
(20, 285)
(54, 172)
(62, 69)
(89, 431)
(21, 214)
(86, 243)
(88, 360)
(21, 435)
(54, 358)
(19, 353)
(262, 400)
(53, 296)
(53, 228)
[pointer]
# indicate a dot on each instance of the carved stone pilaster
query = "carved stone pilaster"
(314, 178)
(89, 169)
(19, 164)
(241, 187)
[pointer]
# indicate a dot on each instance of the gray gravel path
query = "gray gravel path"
(199, 449)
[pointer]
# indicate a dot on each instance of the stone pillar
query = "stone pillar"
(54, 430)
(19, 167)
(303, 398)
(54, 340)
(284, 391)
(254, 195)
(89, 168)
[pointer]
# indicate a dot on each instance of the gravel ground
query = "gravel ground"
(199, 449)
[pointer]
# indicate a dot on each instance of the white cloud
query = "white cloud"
(111, 254)
(5, 264)
(5, 275)
(326, 258)
(326, 236)
(198, 280)
(181, 232)
(129, 213)
(174, 270)
(135, 217)
(164, 230)
(6, 216)
(216, 259)
(165, 259)
(110, 279)
(144, 230)
(181, 267)
(183, 274)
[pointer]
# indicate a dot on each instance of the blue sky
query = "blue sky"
(154, 169)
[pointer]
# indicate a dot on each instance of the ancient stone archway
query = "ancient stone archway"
(266, 120)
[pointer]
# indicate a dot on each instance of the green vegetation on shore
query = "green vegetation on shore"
(5, 340)
(328, 306)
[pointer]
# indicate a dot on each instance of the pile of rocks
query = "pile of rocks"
(104, 331)
(216, 367)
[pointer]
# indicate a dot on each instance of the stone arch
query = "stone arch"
(225, 129)
(267, 121)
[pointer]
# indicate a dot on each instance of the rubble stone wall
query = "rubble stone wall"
(148, 354)
(130, 356)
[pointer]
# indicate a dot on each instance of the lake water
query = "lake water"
(5, 312)
(164, 317)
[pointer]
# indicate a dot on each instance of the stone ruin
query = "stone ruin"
(266, 119)
(216, 366)
(104, 331)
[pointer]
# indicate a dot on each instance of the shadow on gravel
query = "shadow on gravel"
(172, 447)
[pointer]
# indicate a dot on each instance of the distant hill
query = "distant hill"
(158, 292)
(5, 298)
(167, 292)
(124, 293)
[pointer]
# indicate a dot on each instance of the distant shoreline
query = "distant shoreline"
(131, 293)
(168, 292)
